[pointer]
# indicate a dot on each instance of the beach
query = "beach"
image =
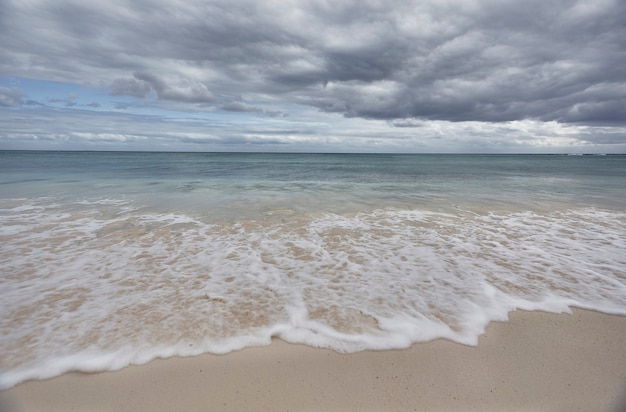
(536, 361)
(311, 282)
(216, 205)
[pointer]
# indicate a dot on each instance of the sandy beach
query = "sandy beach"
(535, 362)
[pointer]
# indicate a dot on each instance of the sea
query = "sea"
(109, 259)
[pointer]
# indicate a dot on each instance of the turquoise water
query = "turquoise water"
(212, 183)
(113, 258)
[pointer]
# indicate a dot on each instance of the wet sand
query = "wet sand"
(537, 361)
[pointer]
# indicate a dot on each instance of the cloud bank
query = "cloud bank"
(401, 62)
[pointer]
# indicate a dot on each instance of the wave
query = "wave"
(90, 288)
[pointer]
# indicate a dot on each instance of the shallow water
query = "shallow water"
(116, 258)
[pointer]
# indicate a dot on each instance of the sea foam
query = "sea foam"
(101, 284)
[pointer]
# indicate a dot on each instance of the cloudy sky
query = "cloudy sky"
(323, 76)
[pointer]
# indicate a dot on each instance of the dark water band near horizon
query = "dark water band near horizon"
(115, 258)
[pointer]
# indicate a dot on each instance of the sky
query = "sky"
(444, 76)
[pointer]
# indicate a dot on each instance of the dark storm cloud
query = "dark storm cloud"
(488, 60)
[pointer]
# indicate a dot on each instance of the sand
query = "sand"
(535, 362)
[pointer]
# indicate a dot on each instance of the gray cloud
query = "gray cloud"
(184, 90)
(493, 61)
(406, 123)
(11, 97)
(241, 107)
(130, 87)
(68, 128)
(69, 101)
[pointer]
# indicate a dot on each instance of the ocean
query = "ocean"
(115, 258)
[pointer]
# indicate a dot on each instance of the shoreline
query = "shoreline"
(535, 361)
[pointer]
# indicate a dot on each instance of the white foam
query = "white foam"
(87, 289)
